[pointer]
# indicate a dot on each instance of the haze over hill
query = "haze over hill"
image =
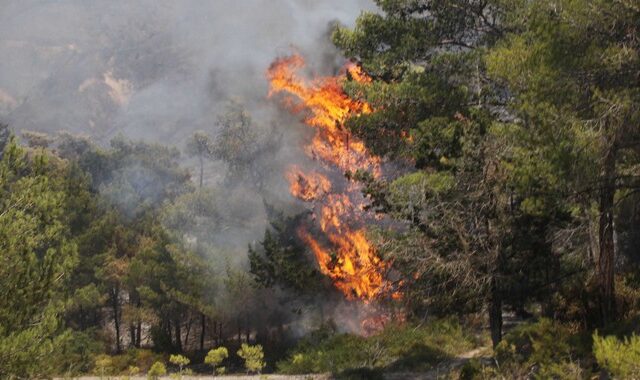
(153, 70)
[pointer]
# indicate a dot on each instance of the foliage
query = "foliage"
(180, 361)
(280, 259)
(38, 252)
(397, 348)
(253, 357)
(133, 370)
(577, 122)
(124, 363)
(544, 348)
(201, 146)
(157, 369)
(620, 358)
(103, 365)
(243, 145)
(77, 354)
(215, 356)
(470, 370)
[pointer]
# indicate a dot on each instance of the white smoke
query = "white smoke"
(150, 69)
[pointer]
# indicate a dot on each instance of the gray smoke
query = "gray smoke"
(157, 70)
(151, 69)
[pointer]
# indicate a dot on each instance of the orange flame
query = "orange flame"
(352, 262)
(307, 187)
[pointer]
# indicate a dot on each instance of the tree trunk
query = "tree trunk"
(139, 335)
(178, 336)
(186, 337)
(606, 244)
(116, 315)
(495, 314)
(132, 335)
(202, 330)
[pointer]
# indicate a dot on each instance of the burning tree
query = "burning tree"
(342, 249)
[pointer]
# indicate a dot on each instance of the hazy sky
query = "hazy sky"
(150, 69)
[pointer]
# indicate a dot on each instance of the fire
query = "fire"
(328, 106)
(344, 254)
(307, 187)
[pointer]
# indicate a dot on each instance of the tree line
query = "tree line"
(519, 121)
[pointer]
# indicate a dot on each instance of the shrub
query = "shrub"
(131, 371)
(543, 347)
(470, 370)
(143, 359)
(620, 358)
(180, 361)
(103, 365)
(253, 357)
(215, 357)
(78, 353)
(397, 348)
(157, 369)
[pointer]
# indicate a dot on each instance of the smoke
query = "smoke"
(157, 70)
(151, 69)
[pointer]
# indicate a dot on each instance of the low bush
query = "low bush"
(253, 357)
(120, 364)
(157, 369)
(543, 349)
(621, 358)
(215, 357)
(397, 348)
(77, 355)
(180, 361)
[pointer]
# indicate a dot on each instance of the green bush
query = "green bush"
(132, 371)
(103, 365)
(253, 357)
(180, 361)
(561, 370)
(157, 369)
(77, 354)
(142, 359)
(397, 348)
(544, 348)
(215, 357)
(470, 370)
(620, 358)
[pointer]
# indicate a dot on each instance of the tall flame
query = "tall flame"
(350, 260)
